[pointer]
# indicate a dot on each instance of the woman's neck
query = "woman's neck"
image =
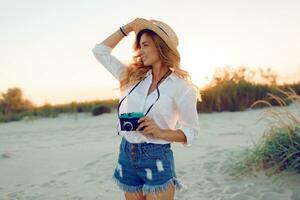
(158, 71)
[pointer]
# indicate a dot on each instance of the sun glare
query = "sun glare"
(201, 63)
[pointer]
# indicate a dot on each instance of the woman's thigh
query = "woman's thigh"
(168, 194)
(134, 196)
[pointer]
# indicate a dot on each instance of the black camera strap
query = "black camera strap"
(166, 74)
(158, 90)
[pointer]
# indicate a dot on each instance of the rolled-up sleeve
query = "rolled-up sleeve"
(188, 116)
(103, 54)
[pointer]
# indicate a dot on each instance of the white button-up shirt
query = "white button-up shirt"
(177, 101)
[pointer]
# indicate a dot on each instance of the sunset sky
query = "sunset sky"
(46, 46)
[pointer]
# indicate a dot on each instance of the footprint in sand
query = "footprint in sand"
(11, 195)
(16, 194)
(49, 183)
(201, 184)
(43, 147)
(6, 155)
(106, 155)
(64, 172)
(90, 181)
(77, 198)
(92, 163)
(181, 172)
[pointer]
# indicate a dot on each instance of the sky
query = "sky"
(46, 46)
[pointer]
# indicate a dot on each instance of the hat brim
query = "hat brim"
(146, 24)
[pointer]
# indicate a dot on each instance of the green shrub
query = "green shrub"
(279, 148)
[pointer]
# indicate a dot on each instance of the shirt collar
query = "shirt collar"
(172, 75)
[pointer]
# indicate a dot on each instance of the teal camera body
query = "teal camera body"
(129, 121)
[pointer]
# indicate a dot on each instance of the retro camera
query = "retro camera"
(129, 121)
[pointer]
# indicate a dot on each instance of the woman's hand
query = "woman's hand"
(151, 129)
(131, 25)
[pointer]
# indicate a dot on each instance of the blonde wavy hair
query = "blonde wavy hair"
(136, 70)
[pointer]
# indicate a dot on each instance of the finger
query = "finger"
(148, 124)
(141, 119)
(142, 125)
(149, 130)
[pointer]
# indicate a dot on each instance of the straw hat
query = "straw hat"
(160, 28)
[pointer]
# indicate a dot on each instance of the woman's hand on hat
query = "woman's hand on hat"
(133, 24)
(130, 26)
(150, 127)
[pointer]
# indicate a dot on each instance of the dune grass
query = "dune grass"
(53, 111)
(279, 148)
(236, 90)
(230, 90)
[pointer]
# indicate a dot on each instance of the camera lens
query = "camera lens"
(127, 126)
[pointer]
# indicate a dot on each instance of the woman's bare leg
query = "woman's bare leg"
(134, 196)
(166, 195)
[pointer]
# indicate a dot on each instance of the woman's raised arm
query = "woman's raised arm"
(112, 40)
(102, 51)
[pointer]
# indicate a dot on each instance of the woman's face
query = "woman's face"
(149, 52)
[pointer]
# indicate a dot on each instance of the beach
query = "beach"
(73, 157)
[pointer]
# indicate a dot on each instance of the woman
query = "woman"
(154, 84)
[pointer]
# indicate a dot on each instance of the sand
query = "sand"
(73, 157)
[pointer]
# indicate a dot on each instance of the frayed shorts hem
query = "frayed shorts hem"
(127, 188)
(149, 189)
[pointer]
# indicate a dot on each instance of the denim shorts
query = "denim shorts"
(145, 167)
